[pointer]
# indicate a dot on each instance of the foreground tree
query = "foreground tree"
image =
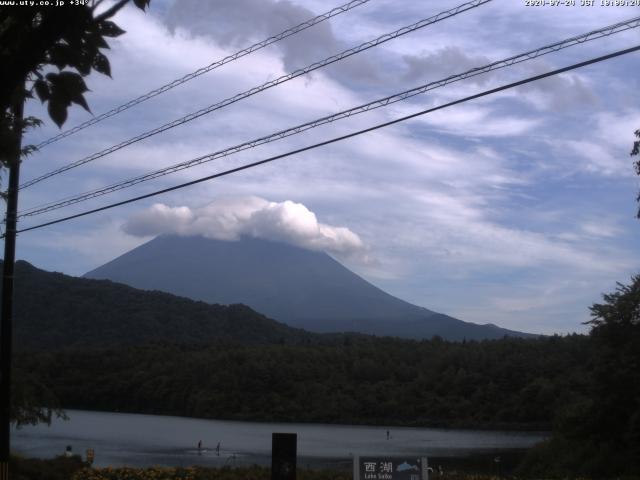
(615, 413)
(598, 435)
(636, 151)
(35, 39)
(46, 50)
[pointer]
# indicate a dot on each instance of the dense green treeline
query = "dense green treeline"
(512, 383)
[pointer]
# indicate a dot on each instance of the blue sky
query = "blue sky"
(516, 209)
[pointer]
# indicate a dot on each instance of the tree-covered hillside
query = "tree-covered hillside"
(53, 310)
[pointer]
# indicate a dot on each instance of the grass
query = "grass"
(73, 468)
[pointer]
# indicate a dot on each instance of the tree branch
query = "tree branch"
(96, 4)
(112, 11)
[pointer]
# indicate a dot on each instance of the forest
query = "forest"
(510, 383)
(70, 311)
(97, 345)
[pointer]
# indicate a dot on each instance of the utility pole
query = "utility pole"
(6, 315)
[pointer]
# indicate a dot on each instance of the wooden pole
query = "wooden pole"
(6, 315)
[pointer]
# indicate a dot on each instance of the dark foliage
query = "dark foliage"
(614, 416)
(45, 51)
(32, 401)
(59, 468)
(599, 434)
(636, 151)
(53, 310)
(510, 383)
(69, 39)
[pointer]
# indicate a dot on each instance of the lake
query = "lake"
(142, 440)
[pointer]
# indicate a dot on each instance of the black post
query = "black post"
(283, 456)
(6, 318)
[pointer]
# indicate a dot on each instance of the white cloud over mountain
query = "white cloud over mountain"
(230, 218)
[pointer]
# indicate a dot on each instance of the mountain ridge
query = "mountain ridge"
(301, 288)
(53, 310)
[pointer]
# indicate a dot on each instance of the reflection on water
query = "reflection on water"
(142, 440)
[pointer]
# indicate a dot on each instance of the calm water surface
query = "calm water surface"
(141, 440)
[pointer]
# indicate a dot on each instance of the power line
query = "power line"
(218, 63)
(532, 54)
(285, 78)
(337, 139)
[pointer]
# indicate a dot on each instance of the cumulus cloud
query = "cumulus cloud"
(230, 218)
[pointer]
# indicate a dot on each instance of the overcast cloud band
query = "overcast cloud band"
(253, 91)
(338, 139)
(530, 55)
(218, 63)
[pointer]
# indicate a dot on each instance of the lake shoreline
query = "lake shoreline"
(121, 439)
(541, 428)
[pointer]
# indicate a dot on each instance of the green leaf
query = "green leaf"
(99, 41)
(28, 150)
(101, 64)
(83, 62)
(141, 4)
(71, 87)
(57, 112)
(80, 100)
(72, 82)
(110, 29)
(42, 90)
(30, 122)
(66, 88)
(61, 56)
